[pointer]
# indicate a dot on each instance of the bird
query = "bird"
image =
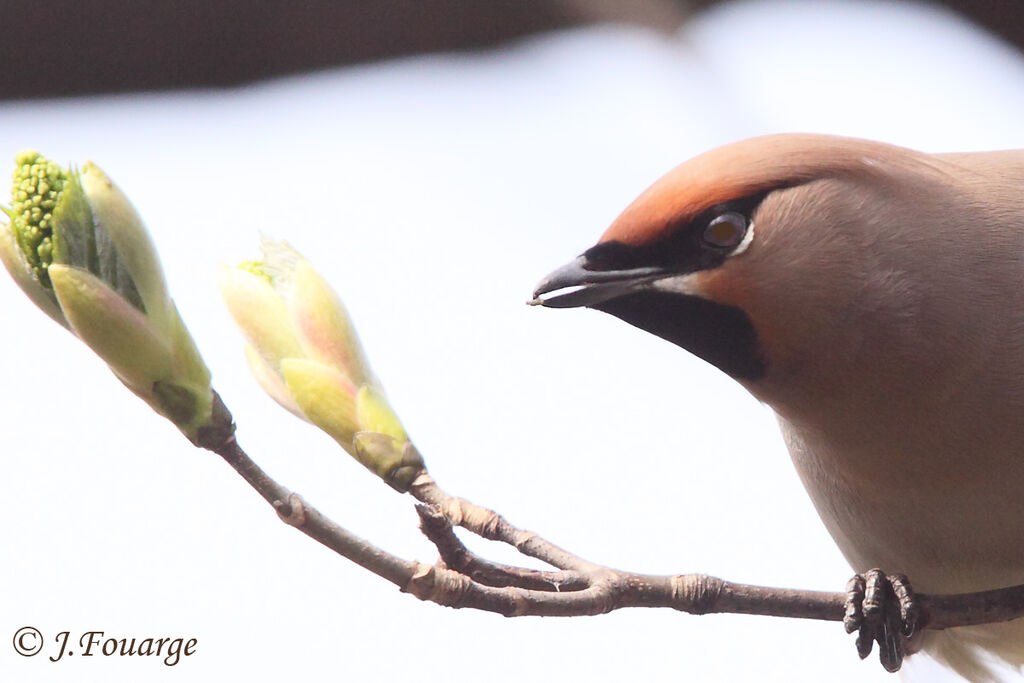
(873, 296)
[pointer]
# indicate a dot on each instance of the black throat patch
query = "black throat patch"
(722, 335)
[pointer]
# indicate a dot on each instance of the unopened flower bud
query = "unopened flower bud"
(304, 352)
(78, 249)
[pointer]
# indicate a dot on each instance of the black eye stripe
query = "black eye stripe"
(683, 250)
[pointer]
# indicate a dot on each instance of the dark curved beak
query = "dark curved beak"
(577, 284)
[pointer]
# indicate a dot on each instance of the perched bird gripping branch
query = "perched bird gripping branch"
(873, 296)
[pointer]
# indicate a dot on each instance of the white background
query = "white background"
(433, 193)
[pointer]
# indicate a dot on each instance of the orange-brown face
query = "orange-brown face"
(659, 284)
(674, 263)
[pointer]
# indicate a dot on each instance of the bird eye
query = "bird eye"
(726, 230)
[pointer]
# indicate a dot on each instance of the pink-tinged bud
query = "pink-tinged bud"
(325, 396)
(304, 352)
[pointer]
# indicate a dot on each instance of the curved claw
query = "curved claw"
(865, 640)
(890, 647)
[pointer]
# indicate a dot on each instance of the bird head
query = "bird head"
(782, 260)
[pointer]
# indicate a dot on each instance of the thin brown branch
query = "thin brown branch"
(304, 517)
(969, 609)
(458, 557)
(465, 580)
(492, 526)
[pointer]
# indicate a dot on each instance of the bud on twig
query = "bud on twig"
(77, 248)
(304, 352)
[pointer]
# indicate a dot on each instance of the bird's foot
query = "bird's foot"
(882, 609)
